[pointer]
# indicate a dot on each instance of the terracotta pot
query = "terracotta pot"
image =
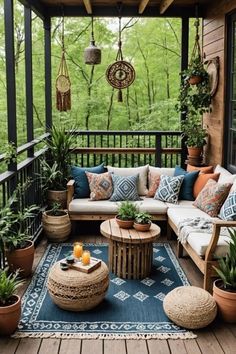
(194, 152)
(194, 80)
(56, 228)
(226, 302)
(21, 258)
(142, 227)
(125, 224)
(10, 317)
(58, 197)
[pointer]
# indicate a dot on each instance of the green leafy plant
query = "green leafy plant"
(127, 210)
(143, 218)
(8, 285)
(60, 144)
(10, 153)
(51, 177)
(227, 265)
(56, 210)
(14, 228)
(193, 131)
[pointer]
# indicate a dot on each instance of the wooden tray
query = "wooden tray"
(94, 264)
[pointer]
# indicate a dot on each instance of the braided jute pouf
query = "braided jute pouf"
(190, 307)
(76, 291)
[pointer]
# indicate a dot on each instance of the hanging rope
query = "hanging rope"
(196, 53)
(63, 84)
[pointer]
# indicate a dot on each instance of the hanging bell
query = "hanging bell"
(92, 54)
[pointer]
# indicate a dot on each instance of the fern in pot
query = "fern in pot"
(126, 214)
(142, 221)
(224, 289)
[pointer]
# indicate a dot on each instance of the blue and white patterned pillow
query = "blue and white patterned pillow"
(125, 188)
(169, 188)
(228, 209)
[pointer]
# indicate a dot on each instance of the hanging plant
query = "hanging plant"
(195, 96)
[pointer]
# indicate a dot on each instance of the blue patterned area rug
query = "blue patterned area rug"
(131, 309)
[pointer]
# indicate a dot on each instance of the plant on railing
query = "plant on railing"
(10, 153)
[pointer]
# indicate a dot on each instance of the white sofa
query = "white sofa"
(202, 247)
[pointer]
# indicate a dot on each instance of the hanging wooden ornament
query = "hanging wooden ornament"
(92, 54)
(63, 84)
(121, 73)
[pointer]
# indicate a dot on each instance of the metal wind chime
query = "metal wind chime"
(121, 73)
(92, 54)
(63, 83)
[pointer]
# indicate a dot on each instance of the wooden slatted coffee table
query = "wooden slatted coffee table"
(130, 251)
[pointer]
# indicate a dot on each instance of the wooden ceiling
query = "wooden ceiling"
(142, 5)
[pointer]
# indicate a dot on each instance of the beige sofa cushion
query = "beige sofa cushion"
(225, 176)
(162, 170)
(176, 215)
(200, 241)
(181, 204)
(86, 206)
(130, 171)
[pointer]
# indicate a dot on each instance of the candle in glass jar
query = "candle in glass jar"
(86, 258)
(78, 249)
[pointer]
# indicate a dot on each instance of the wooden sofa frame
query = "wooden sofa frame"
(205, 264)
(91, 216)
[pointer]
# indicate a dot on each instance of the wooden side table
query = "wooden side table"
(130, 251)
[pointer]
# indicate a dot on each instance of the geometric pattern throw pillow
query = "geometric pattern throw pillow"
(228, 209)
(125, 188)
(100, 185)
(169, 188)
(212, 196)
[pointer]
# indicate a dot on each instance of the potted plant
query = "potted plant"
(142, 221)
(14, 235)
(196, 72)
(126, 214)
(55, 172)
(195, 135)
(56, 223)
(10, 303)
(224, 289)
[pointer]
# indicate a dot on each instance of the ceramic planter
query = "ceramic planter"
(195, 80)
(194, 152)
(56, 228)
(58, 197)
(21, 259)
(142, 227)
(10, 316)
(226, 302)
(125, 224)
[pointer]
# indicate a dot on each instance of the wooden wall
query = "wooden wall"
(214, 44)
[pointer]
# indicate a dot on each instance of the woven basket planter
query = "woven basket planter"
(56, 228)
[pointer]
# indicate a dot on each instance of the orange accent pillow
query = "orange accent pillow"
(154, 179)
(202, 180)
(207, 169)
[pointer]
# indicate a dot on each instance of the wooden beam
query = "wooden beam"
(142, 6)
(36, 6)
(88, 6)
(164, 5)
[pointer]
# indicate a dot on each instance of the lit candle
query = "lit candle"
(78, 249)
(86, 258)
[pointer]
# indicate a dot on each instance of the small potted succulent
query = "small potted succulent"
(142, 221)
(224, 289)
(126, 214)
(56, 223)
(10, 303)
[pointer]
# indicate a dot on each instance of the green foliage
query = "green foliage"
(143, 218)
(127, 210)
(194, 99)
(193, 131)
(227, 265)
(10, 153)
(51, 177)
(56, 209)
(8, 285)
(13, 221)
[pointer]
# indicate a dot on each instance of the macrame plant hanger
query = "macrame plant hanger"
(120, 74)
(63, 84)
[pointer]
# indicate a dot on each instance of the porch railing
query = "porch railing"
(128, 148)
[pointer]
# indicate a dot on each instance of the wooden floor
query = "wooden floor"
(216, 339)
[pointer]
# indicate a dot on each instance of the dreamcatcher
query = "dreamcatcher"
(120, 74)
(63, 84)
